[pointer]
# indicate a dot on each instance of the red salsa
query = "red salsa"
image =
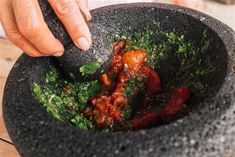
(129, 71)
(148, 84)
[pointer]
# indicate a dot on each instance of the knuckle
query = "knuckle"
(30, 30)
(75, 33)
(75, 30)
(14, 36)
(64, 7)
(78, 28)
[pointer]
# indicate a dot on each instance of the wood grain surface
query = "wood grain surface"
(8, 55)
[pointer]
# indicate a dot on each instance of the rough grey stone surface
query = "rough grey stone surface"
(101, 51)
(210, 132)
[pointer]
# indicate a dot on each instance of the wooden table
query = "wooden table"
(8, 55)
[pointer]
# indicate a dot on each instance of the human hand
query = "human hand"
(194, 4)
(24, 25)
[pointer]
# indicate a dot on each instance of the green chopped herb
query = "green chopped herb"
(82, 123)
(86, 90)
(195, 65)
(67, 100)
(90, 68)
(130, 89)
(64, 100)
(52, 76)
(127, 113)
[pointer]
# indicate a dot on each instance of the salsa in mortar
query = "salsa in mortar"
(134, 93)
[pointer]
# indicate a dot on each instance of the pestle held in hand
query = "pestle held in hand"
(91, 63)
(79, 64)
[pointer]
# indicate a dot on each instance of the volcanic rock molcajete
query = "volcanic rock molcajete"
(208, 132)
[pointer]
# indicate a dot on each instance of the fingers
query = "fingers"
(12, 32)
(83, 5)
(70, 15)
(179, 2)
(199, 5)
(194, 4)
(31, 24)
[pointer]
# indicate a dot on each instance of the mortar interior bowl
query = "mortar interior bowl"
(208, 132)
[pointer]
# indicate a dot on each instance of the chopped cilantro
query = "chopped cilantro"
(194, 63)
(82, 123)
(191, 66)
(86, 90)
(64, 100)
(90, 68)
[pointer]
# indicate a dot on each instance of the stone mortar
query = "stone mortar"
(210, 132)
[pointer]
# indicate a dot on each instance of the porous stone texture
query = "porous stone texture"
(101, 52)
(73, 57)
(209, 132)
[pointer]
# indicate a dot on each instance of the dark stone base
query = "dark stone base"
(209, 132)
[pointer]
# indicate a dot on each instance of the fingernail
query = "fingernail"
(58, 54)
(83, 44)
(88, 18)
